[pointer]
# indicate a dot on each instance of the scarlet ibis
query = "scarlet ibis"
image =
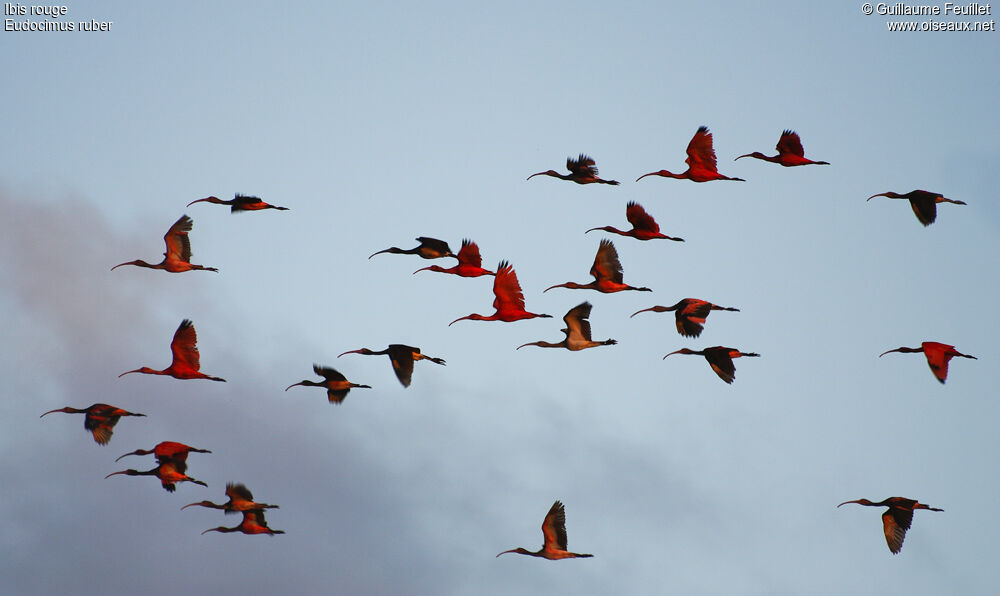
(554, 533)
(577, 332)
(690, 314)
(582, 170)
(790, 152)
(923, 202)
(508, 301)
(240, 499)
(720, 359)
(644, 227)
(167, 450)
(100, 419)
(896, 520)
(607, 272)
(177, 259)
(187, 361)
(169, 472)
(241, 203)
(938, 355)
(337, 386)
(402, 358)
(470, 263)
(700, 160)
(253, 523)
(430, 248)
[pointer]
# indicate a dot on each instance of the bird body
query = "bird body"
(241, 203)
(790, 152)
(923, 202)
(508, 299)
(402, 358)
(100, 419)
(577, 332)
(430, 248)
(186, 362)
(582, 170)
(253, 523)
(644, 227)
(177, 257)
(470, 262)
(720, 359)
(240, 500)
(554, 533)
(938, 355)
(167, 450)
(897, 518)
(170, 472)
(701, 161)
(607, 272)
(689, 313)
(337, 386)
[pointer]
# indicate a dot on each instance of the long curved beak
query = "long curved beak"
(419, 270)
(50, 411)
(643, 310)
(887, 351)
(196, 201)
(190, 505)
(120, 264)
(533, 175)
(846, 502)
(377, 253)
(349, 352)
(457, 320)
(671, 354)
(115, 473)
(292, 385)
(881, 194)
(742, 156)
(129, 371)
(644, 175)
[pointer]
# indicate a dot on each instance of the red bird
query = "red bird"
(790, 152)
(701, 161)
(583, 170)
(897, 519)
(253, 523)
(240, 499)
(577, 332)
(720, 359)
(167, 451)
(508, 301)
(241, 203)
(187, 361)
(337, 386)
(170, 472)
(938, 356)
(177, 259)
(402, 358)
(644, 227)
(100, 419)
(607, 272)
(923, 202)
(554, 532)
(690, 314)
(470, 263)
(430, 248)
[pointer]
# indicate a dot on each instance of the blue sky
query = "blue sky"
(378, 123)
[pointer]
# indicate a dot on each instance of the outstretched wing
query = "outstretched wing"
(606, 263)
(700, 151)
(576, 321)
(177, 241)
(639, 219)
(507, 289)
(184, 346)
(691, 318)
(721, 361)
(469, 254)
(554, 528)
(583, 166)
(895, 523)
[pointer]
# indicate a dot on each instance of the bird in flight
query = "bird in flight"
(100, 419)
(166, 451)
(241, 203)
(187, 360)
(582, 170)
(897, 518)
(720, 359)
(253, 523)
(470, 262)
(607, 272)
(177, 258)
(923, 202)
(429, 248)
(790, 152)
(938, 355)
(402, 358)
(701, 161)
(337, 386)
(170, 472)
(689, 313)
(644, 227)
(554, 533)
(577, 332)
(240, 500)
(508, 299)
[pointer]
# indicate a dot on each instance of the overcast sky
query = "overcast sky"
(377, 123)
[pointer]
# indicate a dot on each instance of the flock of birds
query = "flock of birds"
(690, 315)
